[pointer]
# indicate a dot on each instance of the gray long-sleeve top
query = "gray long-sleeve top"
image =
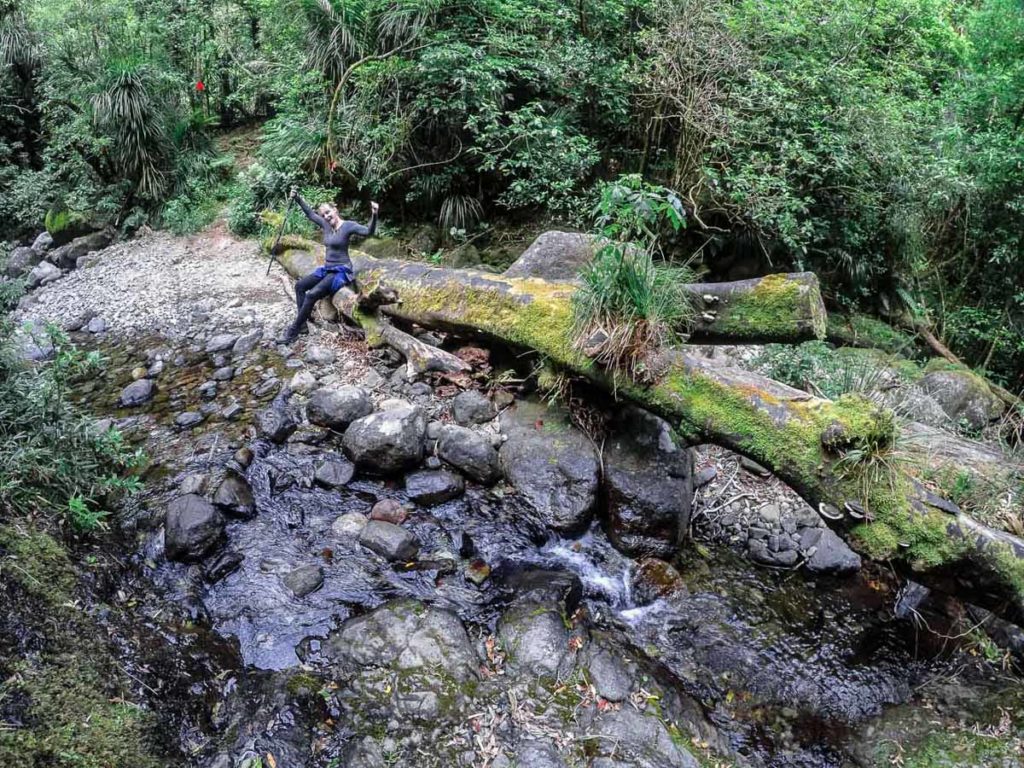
(336, 240)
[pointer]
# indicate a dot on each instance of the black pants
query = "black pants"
(308, 291)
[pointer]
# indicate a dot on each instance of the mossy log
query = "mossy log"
(836, 453)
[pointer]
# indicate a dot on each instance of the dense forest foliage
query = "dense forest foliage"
(877, 142)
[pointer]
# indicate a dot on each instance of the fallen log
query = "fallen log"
(839, 455)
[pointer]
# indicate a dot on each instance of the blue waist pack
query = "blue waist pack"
(342, 275)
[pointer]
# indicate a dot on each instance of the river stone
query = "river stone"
(554, 255)
(234, 497)
(363, 753)
(551, 464)
(21, 261)
(336, 408)
(654, 579)
(319, 355)
(223, 564)
(302, 382)
(192, 529)
(276, 422)
(429, 487)
(137, 393)
(628, 737)
(536, 641)
(42, 243)
(608, 672)
(545, 587)
(914, 405)
(221, 342)
(349, 525)
(304, 580)
(472, 407)
(389, 541)
(390, 511)
(405, 635)
(188, 419)
(831, 554)
(387, 442)
(43, 274)
(962, 395)
(648, 486)
(469, 452)
(247, 342)
(333, 471)
(538, 754)
(225, 373)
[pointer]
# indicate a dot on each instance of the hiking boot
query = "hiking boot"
(289, 337)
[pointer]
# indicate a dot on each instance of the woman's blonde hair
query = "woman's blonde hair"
(324, 207)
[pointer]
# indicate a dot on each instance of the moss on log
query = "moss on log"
(831, 452)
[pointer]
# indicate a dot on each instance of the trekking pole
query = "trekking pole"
(280, 231)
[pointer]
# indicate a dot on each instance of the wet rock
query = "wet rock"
(231, 412)
(208, 390)
(390, 511)
(234, 497)
(538, 754)
(554, 255)
(405, 635)
(387, 442)
(551, 464)
(316, 354)
(276, 423)
(244, 457)
(221, 342)
(138, 393)
(192, 529)
(962, 395)
(43, 274)
(266, 387)
(654, 579)
(536, 641)
(477, 572)
(469, 452)
(430, 487)
(193, 483)
(608, 672)
(648, 485)
(225, 373)
(628, 737)
(247, 343)
(302, 382)
(363, 753)
(389, 541)
(224, 564)
(188, 419)
(472, 407)
(333, 471)
(349, 525)
(304, 580)
(22, 260)
(336, 408)
(562, 589)
(831, 554)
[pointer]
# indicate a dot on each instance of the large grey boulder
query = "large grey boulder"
(470, 452)
(363, 753)
(538, 754)
(648, 485)
(472, 407)
(405, 636)
(388, 540)
(276, 423)
(387, 442)
(628, 737)
(42, 243)
(137, 393)
(193, 528)
(21, 261)
(962, 395)
(826, 553)
(336, 408)
(43, 273)
(536, 641)
(551, 464)
(554, 255)
(67, 256)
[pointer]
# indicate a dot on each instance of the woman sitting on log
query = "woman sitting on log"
(337, 269)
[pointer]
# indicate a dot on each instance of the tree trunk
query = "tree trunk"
(841, 453)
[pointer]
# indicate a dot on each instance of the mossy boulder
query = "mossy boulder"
(962, 395)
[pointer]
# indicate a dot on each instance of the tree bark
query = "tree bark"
(841, 453)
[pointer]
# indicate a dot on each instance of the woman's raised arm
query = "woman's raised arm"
(312, 215)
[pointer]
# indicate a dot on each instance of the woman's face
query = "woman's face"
(330, 214)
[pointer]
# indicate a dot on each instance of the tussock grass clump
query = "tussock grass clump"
(628, 306)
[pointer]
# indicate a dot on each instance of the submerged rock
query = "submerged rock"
(551, 464)
(304, 580)
(648, 485)
(387, 442)
(389, 541)
(469, 452)
(192, 529)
